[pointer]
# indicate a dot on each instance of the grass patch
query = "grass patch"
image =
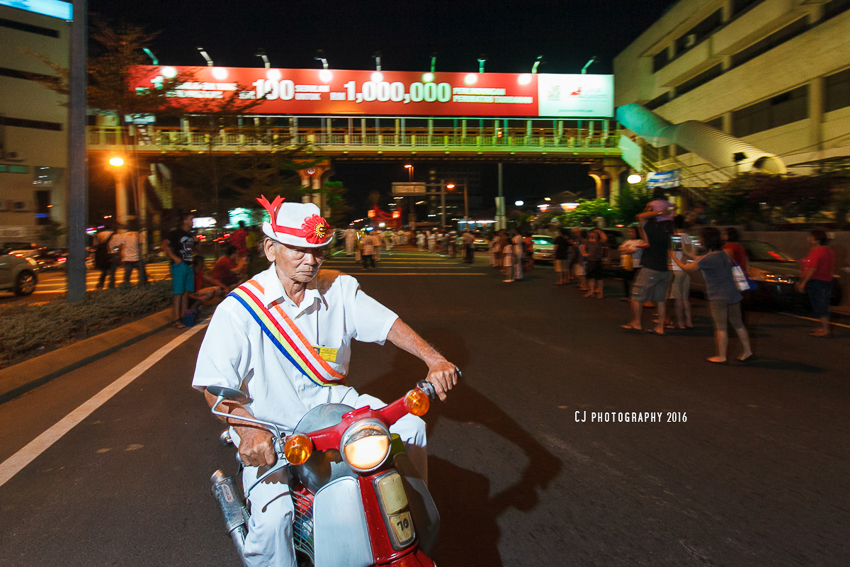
(29, 330)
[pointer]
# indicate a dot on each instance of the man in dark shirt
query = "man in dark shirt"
(654, 278)
(562, 254)
(178, 246)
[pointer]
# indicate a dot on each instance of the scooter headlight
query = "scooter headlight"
(365, 445)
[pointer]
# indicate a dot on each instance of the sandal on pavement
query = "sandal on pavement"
(178, 325)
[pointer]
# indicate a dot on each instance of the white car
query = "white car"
(17, 273)
(543, 249)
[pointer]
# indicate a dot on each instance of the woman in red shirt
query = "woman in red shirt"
(734, 248)
(817, 270)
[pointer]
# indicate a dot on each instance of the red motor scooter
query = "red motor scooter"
(358, 499)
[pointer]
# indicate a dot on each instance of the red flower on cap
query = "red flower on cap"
(316, 229)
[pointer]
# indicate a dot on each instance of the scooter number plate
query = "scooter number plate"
(402, 526)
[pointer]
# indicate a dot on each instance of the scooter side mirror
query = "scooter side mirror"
(229, 394)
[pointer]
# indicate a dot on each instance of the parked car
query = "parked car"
(480, 243)
(51, 258)
(17, 272)
(23, 249)
(544, 248)
(776, 273)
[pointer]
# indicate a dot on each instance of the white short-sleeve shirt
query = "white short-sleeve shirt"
(237, 354)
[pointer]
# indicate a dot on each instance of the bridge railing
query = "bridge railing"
(177, 139)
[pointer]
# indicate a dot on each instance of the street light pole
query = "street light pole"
(443, 202)
(120, 192)
(465, 203)
(78, 183)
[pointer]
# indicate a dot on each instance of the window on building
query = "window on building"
(782, 109)
(658, 101)
(834, 7)
(699, 32)
(660, 60)
(790, 31)
(741, 6)
(837, 91)
(717, 123)
(699, 80)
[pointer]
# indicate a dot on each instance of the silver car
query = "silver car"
(17, 273)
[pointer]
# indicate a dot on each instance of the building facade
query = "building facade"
(775, 73)
(33, 126)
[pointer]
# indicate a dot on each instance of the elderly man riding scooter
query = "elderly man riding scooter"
(284, 338)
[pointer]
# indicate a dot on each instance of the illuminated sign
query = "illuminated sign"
(409, 188)
(203, 222)
(664, 179)
(398, 93)
(52, 8)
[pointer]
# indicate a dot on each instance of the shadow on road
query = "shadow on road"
(470, 533)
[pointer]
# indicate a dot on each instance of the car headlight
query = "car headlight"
(365, 445)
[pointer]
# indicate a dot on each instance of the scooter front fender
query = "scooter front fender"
(340, 531)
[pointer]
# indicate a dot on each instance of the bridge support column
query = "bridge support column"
(612, 169)
(312, 181)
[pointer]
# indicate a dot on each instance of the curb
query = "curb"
(30, 374)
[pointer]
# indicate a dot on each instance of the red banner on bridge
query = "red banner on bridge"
(397, 93)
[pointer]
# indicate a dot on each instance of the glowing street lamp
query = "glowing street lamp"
(262, 54)
(120, 191)
(150, 54)
(634, 178)
(537, 64)
(205, 56)
(409, 169)
(325, 74)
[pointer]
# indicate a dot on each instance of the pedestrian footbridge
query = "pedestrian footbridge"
(382, 139)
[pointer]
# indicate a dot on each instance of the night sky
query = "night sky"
(511, 34)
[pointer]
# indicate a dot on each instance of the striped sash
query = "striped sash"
(283, 333)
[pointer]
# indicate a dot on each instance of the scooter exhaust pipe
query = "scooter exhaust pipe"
(232, 508)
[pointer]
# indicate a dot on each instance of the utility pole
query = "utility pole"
(77, 184)
(443, 202)
(465, 203)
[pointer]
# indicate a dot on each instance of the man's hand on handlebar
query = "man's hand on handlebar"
(255, 447)
(443, 375)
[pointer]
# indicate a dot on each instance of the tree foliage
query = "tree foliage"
(632, 201)
(770, 199)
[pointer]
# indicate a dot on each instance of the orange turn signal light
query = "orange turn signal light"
(298, 449)
(416, 402)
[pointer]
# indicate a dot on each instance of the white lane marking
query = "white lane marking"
(13, 465)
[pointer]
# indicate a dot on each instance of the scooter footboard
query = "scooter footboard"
(340, 532)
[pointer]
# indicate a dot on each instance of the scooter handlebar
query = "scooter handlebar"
(429, 389)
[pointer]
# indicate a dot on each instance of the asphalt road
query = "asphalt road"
(757, 475)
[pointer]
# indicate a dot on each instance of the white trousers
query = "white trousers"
(269, 541)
